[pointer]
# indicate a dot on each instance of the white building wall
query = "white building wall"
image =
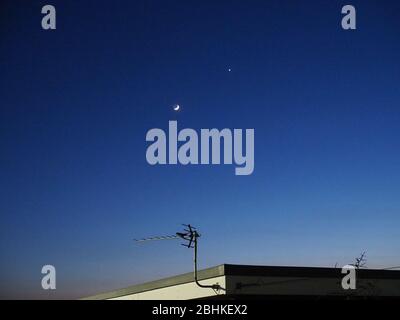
(179, 292)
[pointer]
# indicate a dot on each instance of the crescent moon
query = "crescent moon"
(177, 107)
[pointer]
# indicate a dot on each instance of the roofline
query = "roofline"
(245, 270)
(204, 274)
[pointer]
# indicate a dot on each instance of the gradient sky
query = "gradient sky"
(76, 103)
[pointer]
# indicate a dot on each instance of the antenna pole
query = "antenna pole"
(213, 286)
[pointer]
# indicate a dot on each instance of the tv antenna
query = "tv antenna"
(190, 237)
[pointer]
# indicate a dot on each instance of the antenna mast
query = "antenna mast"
(191, 236)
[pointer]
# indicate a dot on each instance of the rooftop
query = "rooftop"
(261, 273)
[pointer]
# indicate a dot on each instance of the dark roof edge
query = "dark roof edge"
(309, 272)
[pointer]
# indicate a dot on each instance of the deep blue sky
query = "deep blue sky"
(76, 103)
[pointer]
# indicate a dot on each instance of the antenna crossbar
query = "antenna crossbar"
(158, 238)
